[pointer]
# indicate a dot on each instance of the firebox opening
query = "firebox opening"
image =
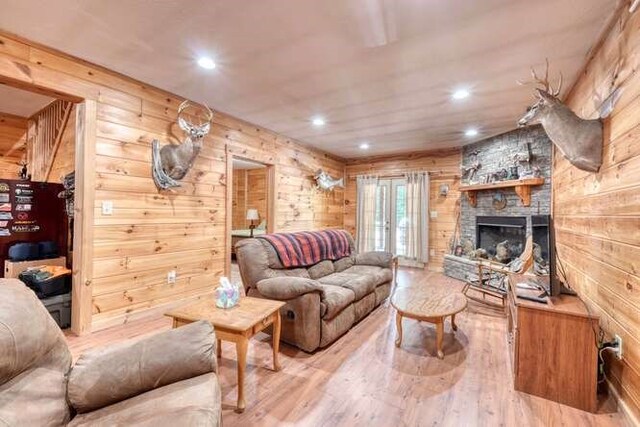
(492, 230)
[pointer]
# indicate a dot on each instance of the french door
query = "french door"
(391, 216)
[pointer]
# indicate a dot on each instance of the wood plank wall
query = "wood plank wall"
(239, 199)
(151, 233)
(597, 215)
(12, 129)
(443, 167)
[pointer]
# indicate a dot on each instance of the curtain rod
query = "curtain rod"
(400, 174)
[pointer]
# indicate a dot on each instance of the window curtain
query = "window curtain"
(366, 212)
(417, 251)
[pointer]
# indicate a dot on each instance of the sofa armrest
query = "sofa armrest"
(375, 258)
(105, 376)
(286, 288)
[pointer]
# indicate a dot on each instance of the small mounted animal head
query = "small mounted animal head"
(325, 182)
(195, 131)
(546, 98)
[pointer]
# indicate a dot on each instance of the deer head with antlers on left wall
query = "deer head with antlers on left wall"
(579, 140)
(172, 162)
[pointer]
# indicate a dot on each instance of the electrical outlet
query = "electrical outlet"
(432, 252)
(171, 277)
(107, 207)
(434, 214)
(618, 340)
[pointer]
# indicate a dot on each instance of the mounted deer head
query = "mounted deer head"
(579, 140)
(172, 162)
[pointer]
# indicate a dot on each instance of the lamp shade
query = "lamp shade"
(252, 214)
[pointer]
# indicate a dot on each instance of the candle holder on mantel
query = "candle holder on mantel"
(252, 215)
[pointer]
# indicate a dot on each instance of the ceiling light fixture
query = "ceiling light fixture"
(364, 146)
(471, 132)
(318, 121)
(206, 63)
(460, 94)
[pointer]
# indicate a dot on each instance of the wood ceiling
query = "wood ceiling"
(378, 71)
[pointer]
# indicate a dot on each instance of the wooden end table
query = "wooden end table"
(429, 304)
(236, 324)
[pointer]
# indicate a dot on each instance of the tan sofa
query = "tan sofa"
(322, 301)
(168, 379)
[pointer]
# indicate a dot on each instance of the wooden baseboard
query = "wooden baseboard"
(628, 414)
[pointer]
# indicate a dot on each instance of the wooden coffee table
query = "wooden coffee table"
(236, 324)
(429, 304)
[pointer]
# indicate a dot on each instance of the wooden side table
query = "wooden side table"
(236, 324)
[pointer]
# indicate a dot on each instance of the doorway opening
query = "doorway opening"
(250, 205)
(391, 216)
(37, 195)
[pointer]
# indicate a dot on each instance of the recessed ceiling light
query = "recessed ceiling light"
(460, 94)
(318, 121)
(364, 146)
(471, 132)
(206, 63)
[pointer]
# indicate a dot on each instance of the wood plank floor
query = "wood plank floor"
(364, 380)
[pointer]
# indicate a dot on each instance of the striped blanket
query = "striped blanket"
(306, 248)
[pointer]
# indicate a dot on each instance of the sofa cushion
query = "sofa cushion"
(377, 258)
(27, 331)
(335, 299)
(37, 396)
(382, 275)
(361, 285)
(104, 376)
(343, 263)
(337, 279)
(34, 360)
(194, 401)
(321, 269)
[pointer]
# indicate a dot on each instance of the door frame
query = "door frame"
(85, 149)
(271, 202)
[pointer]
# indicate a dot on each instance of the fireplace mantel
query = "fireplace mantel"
(521, 186)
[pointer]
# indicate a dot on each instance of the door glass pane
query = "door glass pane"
(382, 219)
(401, 219)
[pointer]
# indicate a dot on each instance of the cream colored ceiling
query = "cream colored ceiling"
(379, 71)
(20, 102)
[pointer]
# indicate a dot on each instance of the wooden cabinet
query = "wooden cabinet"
(553, 348)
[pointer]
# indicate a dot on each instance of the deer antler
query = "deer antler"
(186, 104)
(544, 82)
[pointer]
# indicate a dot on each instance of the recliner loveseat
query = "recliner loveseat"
(323, 301)
(167, 379)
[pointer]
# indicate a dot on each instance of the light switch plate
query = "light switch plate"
(434, 214)
(107, 207)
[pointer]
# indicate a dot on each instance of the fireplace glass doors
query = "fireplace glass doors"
(491, 230)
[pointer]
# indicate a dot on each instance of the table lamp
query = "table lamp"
(252, 215)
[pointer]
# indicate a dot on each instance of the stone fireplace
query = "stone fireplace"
(488, 223)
